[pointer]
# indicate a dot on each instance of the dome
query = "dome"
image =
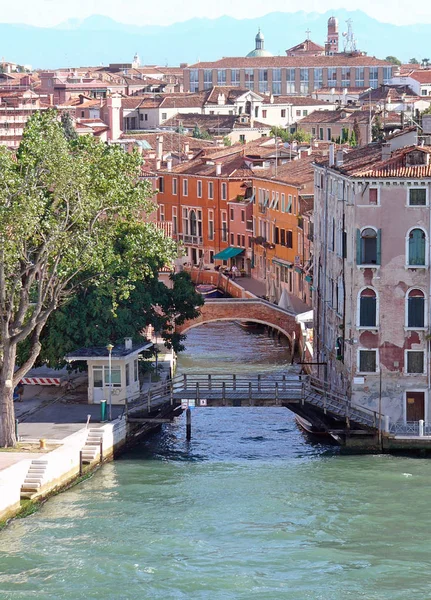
(260, 52)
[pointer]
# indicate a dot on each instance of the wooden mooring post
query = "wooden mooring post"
(188, 424)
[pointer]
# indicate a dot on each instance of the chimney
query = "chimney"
(186, 147)
(331, 155)
(386, 151)
(128, 344)
(340, 158)
(158, 164)
(218, 169)
(113, 104)
(159, 146)
(169, 164)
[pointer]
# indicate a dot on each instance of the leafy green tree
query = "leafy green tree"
(68, 128)
(425, 62)
(227, 141)
(344, 135)
(393, 60)
(377, 130)
(63, 209)
(413, 61)
(300, 135)
(93, 318)
(353, 139)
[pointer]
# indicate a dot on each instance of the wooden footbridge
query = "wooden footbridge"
(307, 397)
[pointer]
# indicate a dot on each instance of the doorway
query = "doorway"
(415, 406)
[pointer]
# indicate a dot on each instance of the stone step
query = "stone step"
(32, 480)
(39, 461)
(30, 487)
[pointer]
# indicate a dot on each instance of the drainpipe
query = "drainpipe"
(325, 263)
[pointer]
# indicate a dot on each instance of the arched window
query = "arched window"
(368, 308)
(416, 248)
(192, 218)
(415, 309)
(368, 246)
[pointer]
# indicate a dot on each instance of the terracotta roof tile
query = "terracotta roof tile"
(338, 60)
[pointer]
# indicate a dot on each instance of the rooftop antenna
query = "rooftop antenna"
(349, 38)
(308, 34)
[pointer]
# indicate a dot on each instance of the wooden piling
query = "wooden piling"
(188, 424)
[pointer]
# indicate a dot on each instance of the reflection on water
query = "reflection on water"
(247, 510)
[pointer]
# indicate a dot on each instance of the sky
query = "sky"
(48, 13)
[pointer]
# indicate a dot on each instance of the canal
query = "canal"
(249, 509)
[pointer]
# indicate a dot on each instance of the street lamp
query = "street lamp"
(110, 348)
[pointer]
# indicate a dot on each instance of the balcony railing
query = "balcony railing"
(410, 428)
(190, 240)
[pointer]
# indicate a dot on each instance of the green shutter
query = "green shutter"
(358, 247)
(379, 247)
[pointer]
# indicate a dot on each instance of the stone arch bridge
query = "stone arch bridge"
(256, 310)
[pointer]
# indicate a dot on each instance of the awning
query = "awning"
(229, 252)
(282, 263)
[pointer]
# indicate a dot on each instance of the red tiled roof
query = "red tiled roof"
(338, 60)
(336, 116)
(306, 46)
(422, 76)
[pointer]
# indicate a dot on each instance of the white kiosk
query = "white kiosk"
(118, 364)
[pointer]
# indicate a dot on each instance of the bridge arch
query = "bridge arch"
(255, 310)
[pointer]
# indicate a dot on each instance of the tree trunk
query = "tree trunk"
(7, 409)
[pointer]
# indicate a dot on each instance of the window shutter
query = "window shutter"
(379, 247)
(367, 311)
(358, 247)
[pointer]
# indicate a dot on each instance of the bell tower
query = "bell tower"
(331, 46)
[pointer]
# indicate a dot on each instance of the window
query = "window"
(243, 216)
(368, 308)
(283, 113)
(210, 225)
(332, 76)
(208, 79)
(345, 77)
(174, 186)
(374, 77)
(263, 80)
(212, 257)
(318, 79)
(289, 239)
(135, 370)
(199, 188)
(373, 196)
(416, 248)
(416, 309)
(221, 77)
(242, 138)
(97, 377)
(231, 214)
(289, 203)
(360, 77)
(224, 191)
(298, 113)
(194, 80)
(232, 239)
(304, 83)
(417, 197)
(340, 296)
(249, 78)
(367, 361)
(210, 190)
(185, 187)
(415, 362)
(264, 114)
(243, 241)
(161, 185)
(238, 239)
(115, 376)
(127, 374)
(162, 212)
(235, 77)
(174, 220)
(290, 81)
(387, 74)
(282, 237)
(164, 116)
(276, 82)
(224, 226)
(368, 246)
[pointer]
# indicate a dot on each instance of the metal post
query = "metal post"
(284, 381)
(258, 383)
(380, 407)
(276, 392)
(80, 463)
(172, 393)
(197, 393)
(185, 381)
(224, 392)
(16, 430)
(209, 382)
(101, 451)
(188, 424)
(234, 382)
(249, 393)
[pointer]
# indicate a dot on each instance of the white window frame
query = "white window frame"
(376, 350)
(358, 309)
(406, 310)
(199, 188)
(162, 212)
(224, 190)
(417, 187)
(210, 190)
(406, 352)
(174, 186)
(185, 187)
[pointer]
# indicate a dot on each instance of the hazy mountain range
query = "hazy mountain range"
(100, 40)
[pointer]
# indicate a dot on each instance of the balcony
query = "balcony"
(190, 240)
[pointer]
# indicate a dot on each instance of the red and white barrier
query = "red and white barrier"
(41, 380)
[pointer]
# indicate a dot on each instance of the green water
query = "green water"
(249, 509)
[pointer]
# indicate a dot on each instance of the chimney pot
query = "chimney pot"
(331, 155)
(169, 164)
(128, 344)
(218, 169)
